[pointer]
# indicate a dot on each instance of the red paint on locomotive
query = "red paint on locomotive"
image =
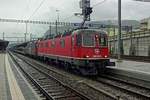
(82, 47)
(68, 46)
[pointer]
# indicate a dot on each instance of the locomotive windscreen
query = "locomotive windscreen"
(86, 38)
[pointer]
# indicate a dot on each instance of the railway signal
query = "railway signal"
(86, 11)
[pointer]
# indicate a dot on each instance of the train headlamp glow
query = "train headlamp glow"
(96, 36)
(87, 56)
(105, 56)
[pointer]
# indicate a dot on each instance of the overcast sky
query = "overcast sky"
(23, 9)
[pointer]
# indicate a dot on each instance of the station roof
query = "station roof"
(3, 44)
(1, 40)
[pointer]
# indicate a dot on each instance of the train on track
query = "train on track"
(82, 50)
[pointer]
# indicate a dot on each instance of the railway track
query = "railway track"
(51, 88)
(83, 91)
(107, 86)
(127, 88)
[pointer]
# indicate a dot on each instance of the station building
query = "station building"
(145, 24)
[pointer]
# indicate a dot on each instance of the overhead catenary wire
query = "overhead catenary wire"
(92, 7)
(41, 3)
(99, 3)
(68, 17)
(37, 9)
(27, 5)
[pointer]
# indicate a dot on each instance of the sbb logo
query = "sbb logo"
(97, 51)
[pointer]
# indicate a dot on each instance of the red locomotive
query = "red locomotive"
(83, 50)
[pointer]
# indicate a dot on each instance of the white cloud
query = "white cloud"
(22, 9)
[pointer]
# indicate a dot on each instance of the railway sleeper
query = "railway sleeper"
(71, 98)
(42, 83)
(56, 88)
(42, 78)
(52, 91)
(61, 93)
(49, 86)
(64, 96)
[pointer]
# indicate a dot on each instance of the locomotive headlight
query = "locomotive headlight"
(96, 36)
(105, 56)
(87, 56)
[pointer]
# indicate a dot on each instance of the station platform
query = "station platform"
(142, 67)
(13, 85)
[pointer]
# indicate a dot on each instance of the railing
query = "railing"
(131, 35)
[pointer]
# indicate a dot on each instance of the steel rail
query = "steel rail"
(31, 78)
(124, 81)
(134, 77)
(107, 94)
(124, 86)
(40, 87)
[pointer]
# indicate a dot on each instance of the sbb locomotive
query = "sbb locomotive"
(83, 50)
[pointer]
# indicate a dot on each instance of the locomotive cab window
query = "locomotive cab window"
(79, 40)
(103, 40)
(62, 43)
(88, 39)
(73, 41)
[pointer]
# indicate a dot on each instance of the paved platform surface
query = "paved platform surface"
(13, 85)
(4, 87)
(133, 65)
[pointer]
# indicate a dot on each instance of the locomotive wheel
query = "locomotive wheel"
(67, 66)
(101, 69)
(87, 71)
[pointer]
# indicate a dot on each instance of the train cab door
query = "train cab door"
(36, 48)
(72, 45)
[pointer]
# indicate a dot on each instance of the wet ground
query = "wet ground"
(133, 65)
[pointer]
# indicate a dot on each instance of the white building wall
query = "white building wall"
(126, 47)
(141, 46)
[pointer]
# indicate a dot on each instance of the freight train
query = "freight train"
(83, 50)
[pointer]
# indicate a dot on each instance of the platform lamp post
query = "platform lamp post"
(57, 11)
(25, 34)
(119, 30)
(3, 36)
(119, 27)
(57, 21)
(30, 36)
